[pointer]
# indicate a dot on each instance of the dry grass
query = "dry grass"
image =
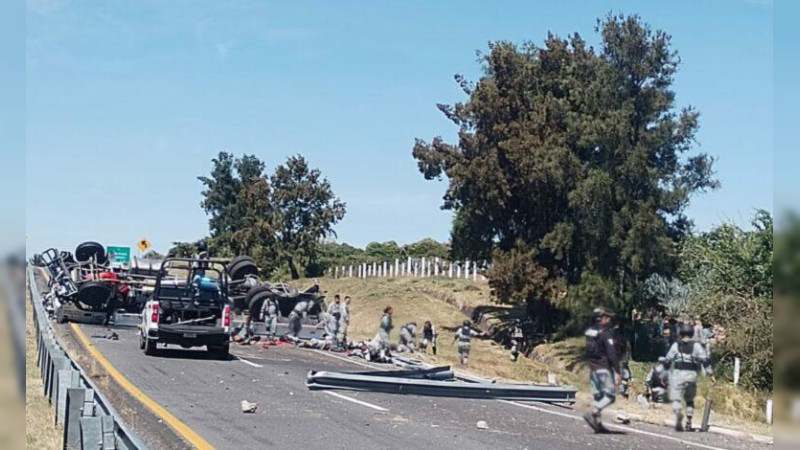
(41, 433)
(438, 300)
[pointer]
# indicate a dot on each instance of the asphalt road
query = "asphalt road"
(205, 394)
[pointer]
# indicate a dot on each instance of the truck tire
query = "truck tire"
(150, 347)
(86, 251)
(242, 268)
(255, 299)
(94, 294)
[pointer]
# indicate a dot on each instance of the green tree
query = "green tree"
(306, 211)
(571, 167)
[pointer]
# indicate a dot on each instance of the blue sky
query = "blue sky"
(127, 102)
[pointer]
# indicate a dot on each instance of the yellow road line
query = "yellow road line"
(181, 428)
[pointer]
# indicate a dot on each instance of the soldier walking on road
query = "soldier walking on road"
(604, 367)
(463, 336)
(344, 322)
(269, 313)
(688, 358)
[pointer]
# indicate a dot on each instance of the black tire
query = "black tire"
(88, 250)
(141, 341)
(222, 352)
(150, 347)
(255, 299)
(242, 269)
(239, 259)
(94, 294)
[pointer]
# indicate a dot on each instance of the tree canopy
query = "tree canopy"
(280, 219)
(572, 166)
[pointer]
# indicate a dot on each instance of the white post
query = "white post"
(374, 269)
(363, 270)
(737, 367)
(385, 269)
(458, 270)
(390, 270)
(424, 269)
(403, 269)
(450, 271)
(769, 411)
(336, 272)
(474, 271)
(409, 267)
(436, 267)
(396, 266)
(466, 269)
(350, 272)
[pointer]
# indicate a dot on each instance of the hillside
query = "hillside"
(447, 302)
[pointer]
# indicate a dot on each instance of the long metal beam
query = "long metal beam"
(414, 385)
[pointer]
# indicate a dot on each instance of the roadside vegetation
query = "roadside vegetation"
(40, 431)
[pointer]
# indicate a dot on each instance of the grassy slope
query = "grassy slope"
(40, 431)
(438, 300)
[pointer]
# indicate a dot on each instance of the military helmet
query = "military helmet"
(467, 323)
(686, 330)
(600, 312)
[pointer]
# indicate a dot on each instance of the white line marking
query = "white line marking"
(352, 361)
(249, 363)
(356, 401)
(618, 427)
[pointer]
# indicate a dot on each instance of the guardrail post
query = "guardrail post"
(108, 433)
(67, 379)
(91, 433)
(72, 425)
(60, 362)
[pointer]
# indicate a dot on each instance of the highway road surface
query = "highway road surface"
(204, 396)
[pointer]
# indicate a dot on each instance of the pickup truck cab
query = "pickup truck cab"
(189, 307)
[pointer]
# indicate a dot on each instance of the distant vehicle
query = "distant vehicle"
(189, 307)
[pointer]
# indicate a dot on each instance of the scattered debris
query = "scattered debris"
(111, 336)
(482, 425)
(248, 407)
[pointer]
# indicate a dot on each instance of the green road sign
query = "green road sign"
(120, 255)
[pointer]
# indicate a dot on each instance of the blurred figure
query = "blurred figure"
(657, 381)
(604, 375)
(428, 337)
(687, 358)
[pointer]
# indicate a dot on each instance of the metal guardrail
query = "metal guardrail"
(89, 420)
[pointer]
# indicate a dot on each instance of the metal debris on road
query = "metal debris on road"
(248, 407)
(482, 425)
(437, 381)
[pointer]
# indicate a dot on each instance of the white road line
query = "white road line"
(356, 401)
(352, 361)
(618, 427)
(249, 363)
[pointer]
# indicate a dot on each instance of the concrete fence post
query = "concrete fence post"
(474, 271)
(336, 272)
(458, 270)
(436, 267)
(450, 271)
(409, 267)
(351, 271)
(396, 266)
(424, 269)
(385, 268)
(466, 269)
(737, 368)
(769, 412)
(374, 269)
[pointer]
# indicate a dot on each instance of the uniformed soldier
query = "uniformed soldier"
(407, 336)
(269, 314)
(334, 315)
(687, 358)
(296, 317)
(625, 379)
(344, 322)
(384, 329)
(463, 336)
(604, 375)
(657, 381)
(428, 337)
(516, 340)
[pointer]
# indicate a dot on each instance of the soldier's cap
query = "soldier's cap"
(601, 311)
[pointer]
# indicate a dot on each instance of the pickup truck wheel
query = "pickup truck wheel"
(141, 341)
(150, 347)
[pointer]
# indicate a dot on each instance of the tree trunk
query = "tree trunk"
(293, 268)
